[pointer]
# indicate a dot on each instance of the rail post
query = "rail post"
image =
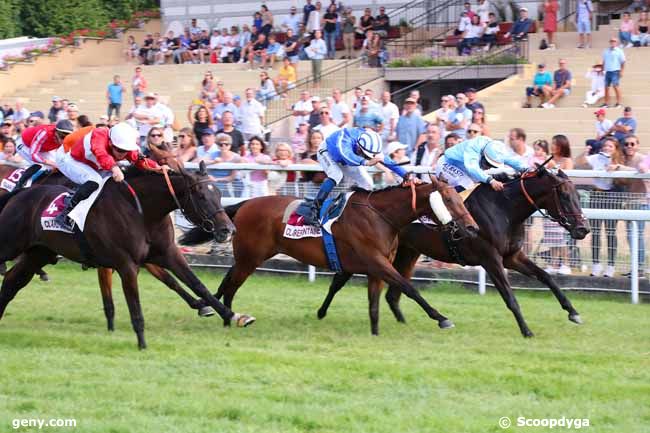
(634, 271)
(481, 280)
(312, 273)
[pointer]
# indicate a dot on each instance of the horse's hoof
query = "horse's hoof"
(44, 277)
(528, 334)
(575, 318)
(446, 324)
(321, 314)
(244, 320)
(206, 311)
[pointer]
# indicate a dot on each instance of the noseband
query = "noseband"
(562, 218)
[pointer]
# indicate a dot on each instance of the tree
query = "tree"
(9, 25)
(45, 18)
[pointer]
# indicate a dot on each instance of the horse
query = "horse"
(365, 234)
(501, 217)
(137, 213)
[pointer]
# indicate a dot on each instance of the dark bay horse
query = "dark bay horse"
(117, 234)
(501, 217)
(366, 238)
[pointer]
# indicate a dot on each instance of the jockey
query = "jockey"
(466, 163)
(346, 152)
(94, 156)
(38, 146)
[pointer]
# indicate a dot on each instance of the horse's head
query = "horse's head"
(558, 195)
(163, 155)
(448, 208)
(202, 205)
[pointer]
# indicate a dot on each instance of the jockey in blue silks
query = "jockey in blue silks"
(466, 163)
(347, 152)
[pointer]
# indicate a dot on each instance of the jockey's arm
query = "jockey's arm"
(516, 163)
(397, 169)
(141, 161)
(473, 167)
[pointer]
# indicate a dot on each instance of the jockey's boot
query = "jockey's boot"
(27, 174)
(82, 193)
(313, 217)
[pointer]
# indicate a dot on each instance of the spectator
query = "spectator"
(257, 21)
(463, 23)
(132, 49)
(626, 28)
(208, 87)
(315, 18)
(550, 20)
(375, 50)
(138, 83)
(226, 105)
(467, 9)
(257, 184)
(274, 51)
(194, 27)
(292, 48)
(201, 121)
(167, 46)
(415, 94)
(460, 118)
(244, 38)
(634, 160)
(478, 119)
(521, 27)
(301, 108)
(55, 109)
(306, 10)
(83, 121)
(483, 10)
(381, 26)
(283, 156)
(410, 125)
(473, 103)
(299, 138)
(471, 36)
(8, 153)
(72, 114)
(286, 78)
(329, 27)
(340, 110)
(228, 128)
(541, 88)
(491, 28)
(147, 45)
(613, 63)
(316, 51)
(428, 150)
(147, 116)
(600, 198)
(584, 10)
(266, 92)
(562, 84)
(20, 114)
(625, 125)
(186, 145)
(326, 126)
(267, 20)
(368, 118)
(227, 180)
(642, 26)
(314, 114)
(258, 52)
(390, 114)
(349, 24)
(441, 115)
(597, 91)
(114, 94)
(292, 21)
(7, 111)
(473, 131)
(517, 142)
(367, 21)
(154, 138)
(252, 115)
(181, 52)
(7, 129)
(540, 153)
(604, 127)
(208, 152)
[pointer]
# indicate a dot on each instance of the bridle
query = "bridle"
(207, 222)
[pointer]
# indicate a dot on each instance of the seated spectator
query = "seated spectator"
(228, 127)
(478, 119)
(489, 37)
(624, 126)
(542, 86)
(460, 118)
(366, 22)
(625, 31)
(132, 51)
(463, 22)
(186, 145)
(258, 52)
(208, 87)
(181, 45)
(166, 47)
(147, 45)
(283, 156)
(266, 91)
(326, 126)
(428, 150)
(9, 151)
(471, 36)
(244, 38)
(291, 21)
(561, 84)
(540, 153)
(286, 78)
(256, 183)
(597, 91)
(216, 40)
(299, 139)
(227, 180)
(367, 118)
(521, 27)
(155, 138)
(366, 46)
(642, 26)
(604, 127)
(381, 26)
(274, 51)
(201, 120)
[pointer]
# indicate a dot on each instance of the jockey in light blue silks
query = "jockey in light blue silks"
(347, 152)
(466, 163)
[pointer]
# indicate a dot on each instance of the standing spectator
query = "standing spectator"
(314, 114)
(138, 83)
(460, 118)
(267, 20)
(597, 91)
(441, 115)
(428, 150)
(315, 18)
(154, 138)
(415, 94)
(278, 179)
(472, 102)
(316, 51)
(562, 84)
(222, 107)
(72, 114)
(521, 27)
(478, 119)
(471, 36)
(349, 23)
(541, 88)
(257, 184)
(20, 114)
(252, 115)
(228, 127)
(291, 21)
(625, 31)
(306, 10)
(301, 109)
(201, 121)
(600, 198)
(517, 142)
(381, 26)
(410, 125)
(604, 127)
(329, 20)
(227, 180)
(613, 63)
(186, 145)
(390, 113)
(208, 87)
(367, 21)
(624, 126)
(8, 153)
(584, 10)
(489, 37)
(367, 118)
(483, 10)
(550, 20)
(292, 49)
(208, 152)
(467, 9)
(340, 110)
(147, 117)
(114, 95)
(326, 126)
(55, 109)
(194, 27)
(299, 139)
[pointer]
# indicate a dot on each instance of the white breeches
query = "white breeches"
(76, 171)
(357, 174)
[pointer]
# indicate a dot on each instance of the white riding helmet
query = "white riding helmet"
(124, 137)
(494, 153)
(370, 144)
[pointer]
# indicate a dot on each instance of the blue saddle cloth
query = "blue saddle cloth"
(332, 208)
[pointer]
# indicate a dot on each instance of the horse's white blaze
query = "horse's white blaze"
(438, 207)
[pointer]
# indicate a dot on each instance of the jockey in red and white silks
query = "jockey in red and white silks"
(38, 144)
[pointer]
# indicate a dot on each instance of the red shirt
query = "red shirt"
(40, 139)
(94, 149)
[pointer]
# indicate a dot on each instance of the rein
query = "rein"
(562, 219)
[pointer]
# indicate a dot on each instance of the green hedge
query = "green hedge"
(428, 62)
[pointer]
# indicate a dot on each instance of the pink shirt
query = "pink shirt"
(258, 175)
(627, 26)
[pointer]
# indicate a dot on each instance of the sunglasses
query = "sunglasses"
(223, 144)
(324, 112)
(182, 136)
(156, 135)
(630, 144)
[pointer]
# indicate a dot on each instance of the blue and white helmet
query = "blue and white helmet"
(494, 153)
(370, 143)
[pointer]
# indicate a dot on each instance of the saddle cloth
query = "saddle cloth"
(9, 182)
(294, 224)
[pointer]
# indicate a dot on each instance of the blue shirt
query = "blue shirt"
(456, 117)
(408, 129)
(625, 121)
(342, 148)
(521, 26)
(543, 78)
(218, 111)
(613, 59)
(115, 93)
(369, 119)
(211, 154)
(584, 9)
(467, 154)
(273, 48)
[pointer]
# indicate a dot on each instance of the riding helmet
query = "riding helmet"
(64, 127)
(370, 143)
(494, 153)
(124, 137)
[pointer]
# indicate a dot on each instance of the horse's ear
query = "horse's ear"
(202, 170)
(562, 174)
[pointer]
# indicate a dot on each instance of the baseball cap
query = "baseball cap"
(541, 65)
(207, 131)
(6, 122)
(600, 112)
(150, 95)
(315, 99)
(56, 99)
(236, 98)
(395, 146)
(38, 114)
(73, 107)
(523, 9)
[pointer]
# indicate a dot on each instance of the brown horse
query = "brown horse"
(118, 234)
(501, 217)
(366, 238)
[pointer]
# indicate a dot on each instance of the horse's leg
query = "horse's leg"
(42, 275)
(520, 262)
(105, 277)
(381, 268)
(164, 277)
(374, 295)
(337, 284)
(129, 276)
(231, 282)
(494, 268)
(3, 268)
(404, 263)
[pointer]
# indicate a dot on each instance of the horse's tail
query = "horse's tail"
(5, 198)
(233, 208)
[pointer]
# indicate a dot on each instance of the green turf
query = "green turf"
(292, 373)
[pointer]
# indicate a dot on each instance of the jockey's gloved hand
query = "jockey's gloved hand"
(118, 174)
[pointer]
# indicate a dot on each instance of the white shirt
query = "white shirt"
(292, 22)
(526, 157)
(600, 161)
(428, 159)
(166, 114)
(302, 106)
(464, 23)
(151, 112)
(483, 11)
(250, 112)
(338, 110)
(603, 127)
(21, 115)
(474, 31)
(597, 81)
(327, 130)
(313, 22)
(390, 112)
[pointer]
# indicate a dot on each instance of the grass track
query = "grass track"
(292, 373)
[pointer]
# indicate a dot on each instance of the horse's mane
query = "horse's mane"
(374, 191)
